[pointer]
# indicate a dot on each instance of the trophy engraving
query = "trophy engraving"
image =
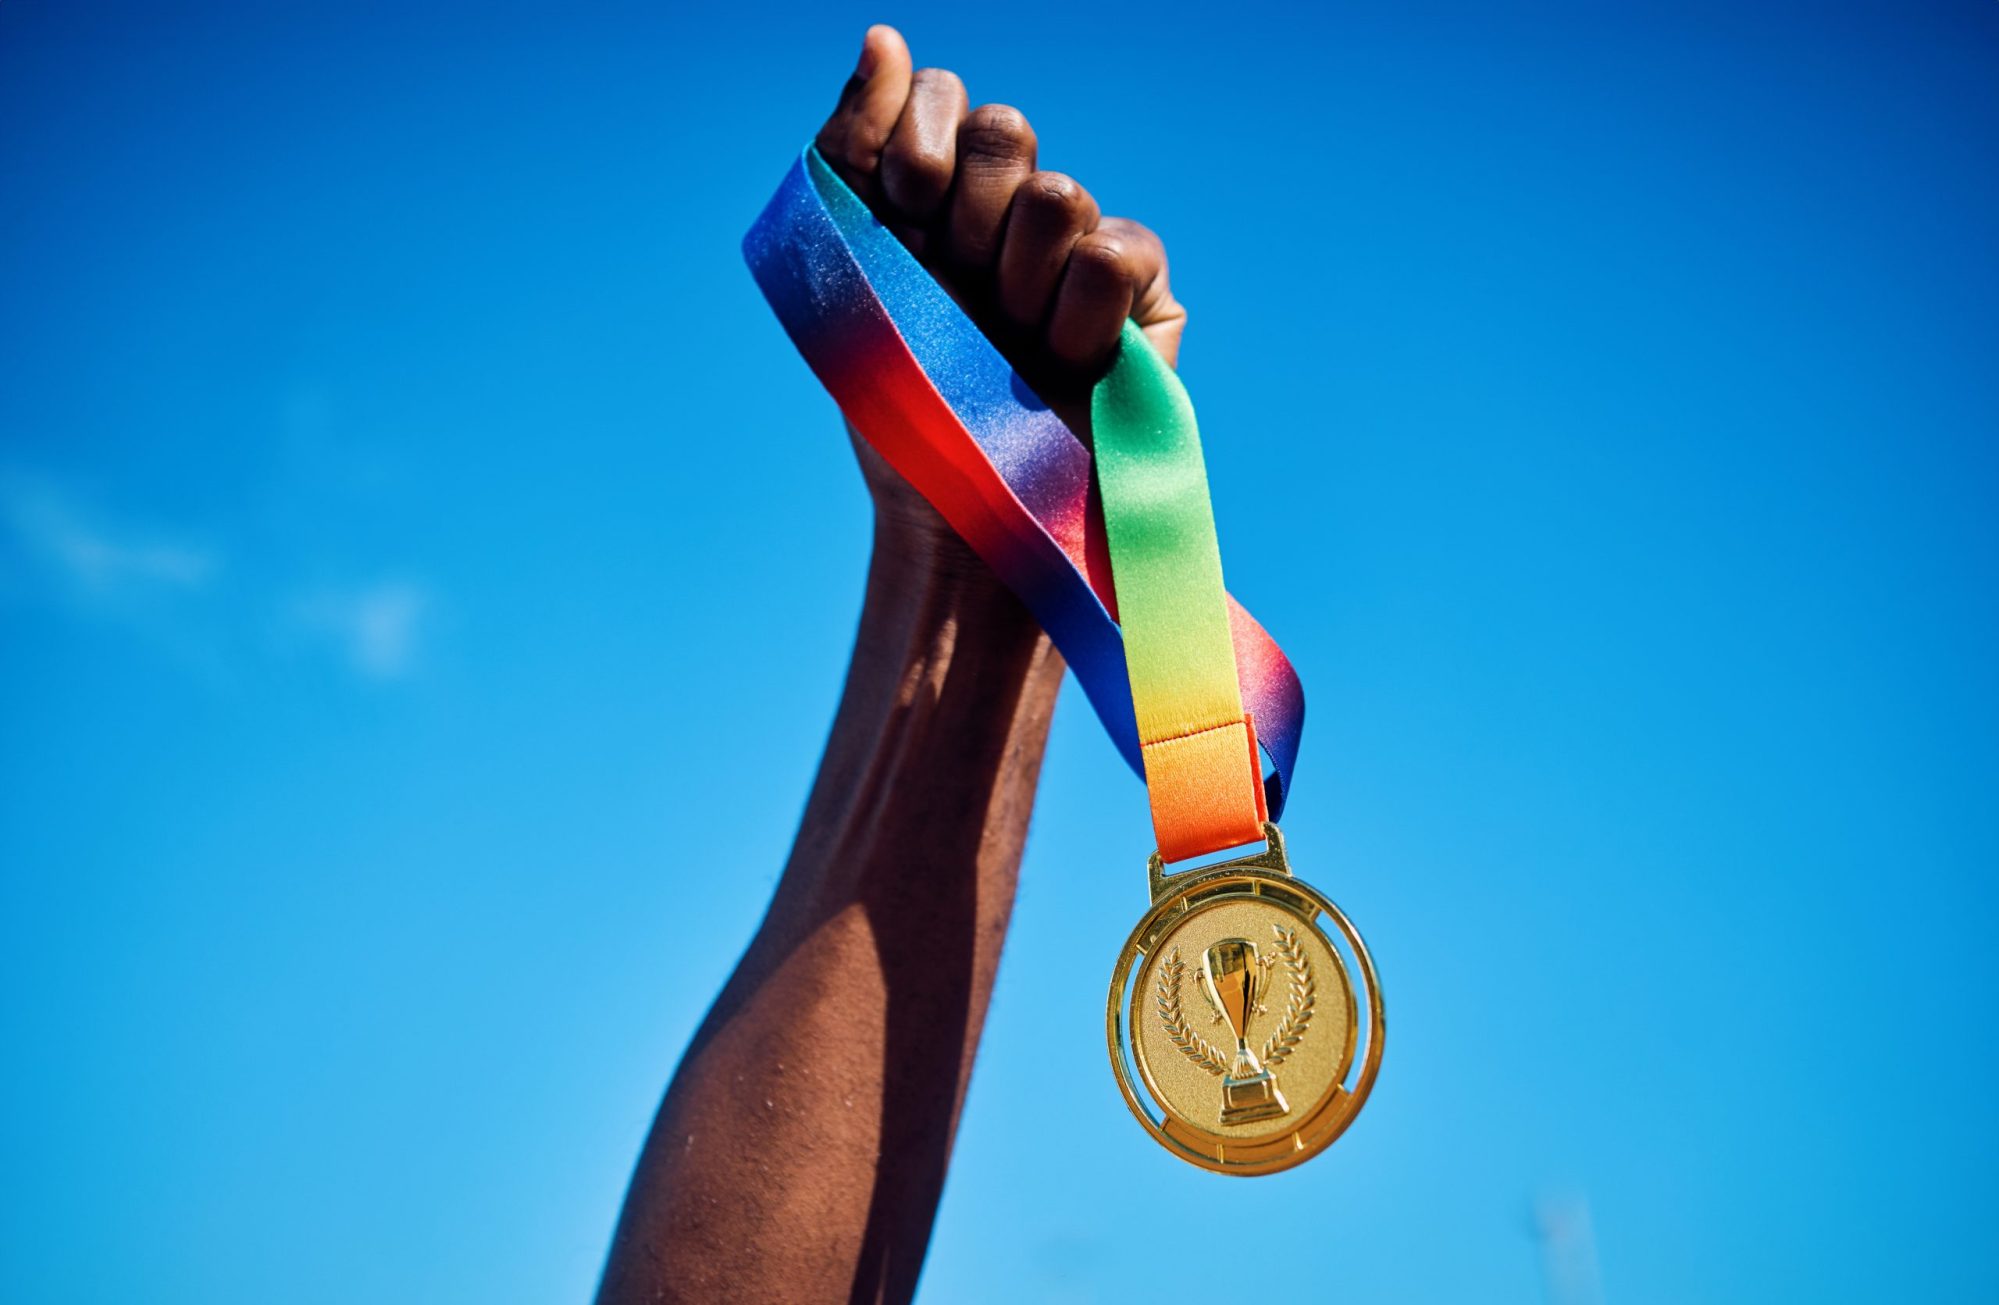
(1234, 978)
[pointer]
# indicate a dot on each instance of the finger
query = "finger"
(853, 138)
(922, 152)
(995, 154)
(1119, 267)
(832, 137)
(1158, 313)
(1165, 335)
(1049, 213)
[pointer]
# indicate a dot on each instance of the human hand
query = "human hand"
(1047, 278)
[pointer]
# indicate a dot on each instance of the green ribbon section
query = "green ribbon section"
(1165, 560)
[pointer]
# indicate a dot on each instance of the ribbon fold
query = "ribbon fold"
(1192, 686)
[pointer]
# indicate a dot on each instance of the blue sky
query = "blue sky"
(426, 574)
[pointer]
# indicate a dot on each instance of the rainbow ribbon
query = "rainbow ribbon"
(1191, 687)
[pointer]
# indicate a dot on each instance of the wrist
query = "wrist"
(922, 576)
(945, 711)
(921, 559)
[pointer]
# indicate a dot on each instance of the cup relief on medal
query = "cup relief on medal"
(1234, 981)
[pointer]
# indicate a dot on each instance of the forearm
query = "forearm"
(802, 1145)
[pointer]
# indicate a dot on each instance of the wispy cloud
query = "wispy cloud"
(376, 628)
(169, 591)
(86, 550)
(1568, 1250)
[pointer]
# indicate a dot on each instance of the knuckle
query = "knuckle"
(1054, 192)
(1103, 256)
(937, 81)
(996, 131)
(924, 173)
(1136, 236)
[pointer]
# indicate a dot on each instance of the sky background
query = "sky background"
(426, 575)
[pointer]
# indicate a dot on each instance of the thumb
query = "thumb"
(854, 136)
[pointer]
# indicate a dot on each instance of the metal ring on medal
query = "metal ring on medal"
(1245, 1033)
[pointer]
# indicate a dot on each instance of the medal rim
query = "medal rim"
(1332, 1114)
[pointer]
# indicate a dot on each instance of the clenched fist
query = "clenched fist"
(1043, 273)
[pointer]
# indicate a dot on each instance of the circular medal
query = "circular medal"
(1245, 1019)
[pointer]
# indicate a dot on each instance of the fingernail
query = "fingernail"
(869, 59)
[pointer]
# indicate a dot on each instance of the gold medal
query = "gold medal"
(1244, 1019)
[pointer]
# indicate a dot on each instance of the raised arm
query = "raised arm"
(802, 1145)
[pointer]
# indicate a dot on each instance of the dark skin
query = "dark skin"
(801, 1148)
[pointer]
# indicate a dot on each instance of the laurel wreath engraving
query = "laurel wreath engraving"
(1192, 1045)
(1297, 1004)
(1283, 1040)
